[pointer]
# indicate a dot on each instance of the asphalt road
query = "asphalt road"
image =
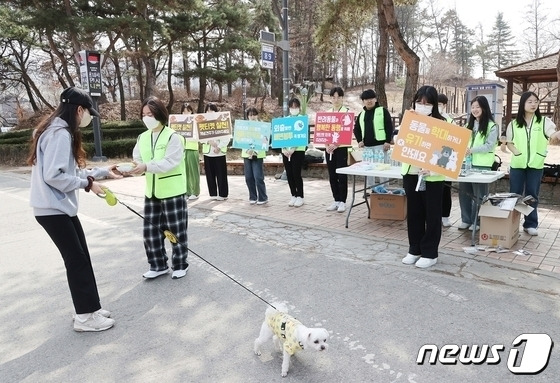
(201, 328)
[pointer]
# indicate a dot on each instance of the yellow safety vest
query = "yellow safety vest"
(165, 185)
(482, 159)
(260, 153)
(378, 123)
(532, 143)
(405, 168)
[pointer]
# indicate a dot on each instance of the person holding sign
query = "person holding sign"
(159, 153)
(337, 157)
(484, 138)
(215, 164)
(373, 128)
(424, 191)
(192, 161)
(529, 132)
(253, 167)
(293, 162)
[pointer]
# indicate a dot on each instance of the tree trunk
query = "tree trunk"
(380, 74)
(121, 87)
(170, 77)
(410, 58)
(556, 115)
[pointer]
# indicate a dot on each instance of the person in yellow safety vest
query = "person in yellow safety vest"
(337, 157)
(423, 205)
(160, 154)
(374, 128)
(253, 167)
(293, 162)
(446, 200)
(482, 144)
(192, 161)
(215, 164)
(530, 133)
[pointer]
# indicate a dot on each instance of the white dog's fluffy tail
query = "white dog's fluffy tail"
(279, 307)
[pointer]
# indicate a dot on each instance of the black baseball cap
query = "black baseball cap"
(76, 96)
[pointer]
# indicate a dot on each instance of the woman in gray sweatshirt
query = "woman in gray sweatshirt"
(58, 172)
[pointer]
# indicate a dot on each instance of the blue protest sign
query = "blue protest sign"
(290, 132)
(251, 135)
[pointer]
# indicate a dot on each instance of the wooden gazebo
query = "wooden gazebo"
(538, 70)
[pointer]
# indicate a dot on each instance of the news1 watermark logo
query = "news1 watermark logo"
(529, 354)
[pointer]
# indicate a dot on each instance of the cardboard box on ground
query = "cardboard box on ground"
(388, 206)
(499, 219)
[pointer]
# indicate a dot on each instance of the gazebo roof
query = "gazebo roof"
(538, 70)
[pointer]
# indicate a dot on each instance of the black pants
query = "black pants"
(423, 217)
(68, 236)
(215, 169)
(446, 199)
(293, 172)
(339, 182)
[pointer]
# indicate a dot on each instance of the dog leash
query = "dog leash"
(112, 200)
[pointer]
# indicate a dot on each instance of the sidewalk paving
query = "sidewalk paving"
(542, 258)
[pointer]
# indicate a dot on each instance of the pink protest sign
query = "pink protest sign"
(333, 128)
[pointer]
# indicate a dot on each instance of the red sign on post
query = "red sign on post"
(431, 144)
(333, 128)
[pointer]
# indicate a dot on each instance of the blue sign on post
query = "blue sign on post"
(290, 132)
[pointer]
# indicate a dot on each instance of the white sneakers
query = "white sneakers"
(419, 261)
(220, 198)
(95, 322)
(262, 202)
(531, 230)
(410, 259)
(333, 207)
(338, 206)
(445, 222)
(176, 273)
(154, 274)
(292, 201)
(464, 226)
(472, 227)
(424, 263)
(192, 197)
(299, 202)
(252, 202)
(179, 273)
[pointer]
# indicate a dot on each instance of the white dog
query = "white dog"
(289, 335)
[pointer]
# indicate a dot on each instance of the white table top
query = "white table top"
(485, 177)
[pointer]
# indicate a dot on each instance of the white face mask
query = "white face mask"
(294, 112)
(86, 119)
(425, 110)
(150, 122)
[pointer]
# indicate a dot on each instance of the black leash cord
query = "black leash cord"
(187, 248)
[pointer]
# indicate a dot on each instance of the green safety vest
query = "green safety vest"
(378, 124)
(260, 153)
(191, 145)
(165, 185)
(481, 159)
(531, 143)
(405, 168)
(206, 148)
